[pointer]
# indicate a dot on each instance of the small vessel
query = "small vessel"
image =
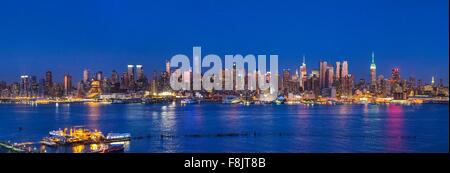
(231, 100)
(189, 101)
(280, 100)
(48, 142)
(80, 135)
(118, 137)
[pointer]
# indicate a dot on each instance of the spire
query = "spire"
(372, 65)
(303, 59)
(373, 57)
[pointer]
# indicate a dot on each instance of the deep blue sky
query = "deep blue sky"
(68, 36)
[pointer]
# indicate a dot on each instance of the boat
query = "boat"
(231, 100)
(118, 137)
(280, 100)
(74, 135)
(48, 142)
(189, 101)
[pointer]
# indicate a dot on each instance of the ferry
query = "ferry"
(231, 100)
(189, 101)
(80, 135)
(118, 137)
(280, 100)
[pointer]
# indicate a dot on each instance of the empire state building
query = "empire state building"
(373, 72)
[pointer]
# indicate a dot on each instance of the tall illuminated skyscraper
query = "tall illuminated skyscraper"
(432, 80)
(338, 70)
(24, 86)
(130, 73)
(344, 71)
(86, 76)
(140, 72)
(99, 76)
(67, 84)
(373, 71)
(322, 73)
(303, 73)
(330, 76)
(114, 77)
(130, 76)
(395, 75)
(48, 83)
(168, 67)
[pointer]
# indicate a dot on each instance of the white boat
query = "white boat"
(188, 101)
(118, 137)
(231, 100)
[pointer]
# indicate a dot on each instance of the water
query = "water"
(239, 128)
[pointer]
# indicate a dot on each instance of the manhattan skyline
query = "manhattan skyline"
(107, 36)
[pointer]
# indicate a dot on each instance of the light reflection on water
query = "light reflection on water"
(239, 128)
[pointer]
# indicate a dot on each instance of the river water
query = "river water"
(239, 128)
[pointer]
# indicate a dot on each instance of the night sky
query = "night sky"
(68, 36)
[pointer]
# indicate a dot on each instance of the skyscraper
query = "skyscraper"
(140, 72)
(67, 84)
(395, 78)
(99, 76)
(329, 76)
(344, 70)
(25, 86)
(432, 80)
(130, 73)
(322, 72)
(48, 83)
(114, 77)
(286, 79)
(34, 86)
(338, 70)
(85, 75)
(373, 72)
(303, 73)
(168, 67)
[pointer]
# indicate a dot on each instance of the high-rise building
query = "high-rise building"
(114, 77)
(34, 86)
(338, 70)
(67, 84)
(168, 67)
(286, 79)
(432, 80)
(373, 71)
(329, 76)
(154, 84)
(124, 81)
(303, 73)
(25, 86)
(395, 78)
(99, 76)
(130, 77)
(140, 72)
(85, 75)
(322, 73)
(344, 70)
(48, 84)
(130, 73)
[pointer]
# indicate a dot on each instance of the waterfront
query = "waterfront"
(239, 128)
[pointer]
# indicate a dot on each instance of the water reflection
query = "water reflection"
(93, 114)
(395, 129)
(77, 148)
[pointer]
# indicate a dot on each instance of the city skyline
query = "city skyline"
(82, 76)
(106, 36)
